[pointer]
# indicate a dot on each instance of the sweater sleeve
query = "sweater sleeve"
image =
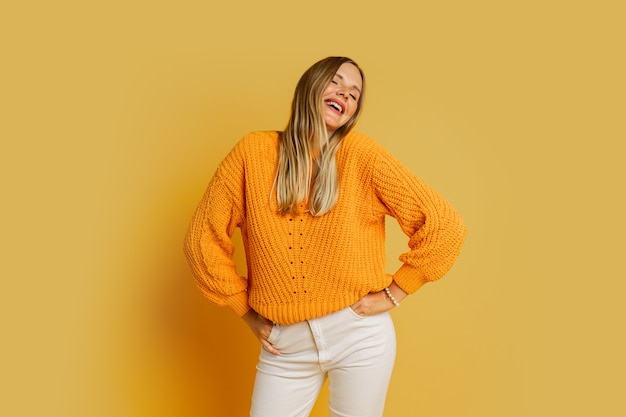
(208, 245)
(436, 231)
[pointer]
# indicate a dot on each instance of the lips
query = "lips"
(335, 105)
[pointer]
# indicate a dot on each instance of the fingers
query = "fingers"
(370, 304)
(262, 328)
(269, 347)
(264, 335)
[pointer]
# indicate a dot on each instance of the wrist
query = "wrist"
(249, 316)
(391, 298)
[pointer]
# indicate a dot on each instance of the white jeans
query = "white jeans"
(356, 352)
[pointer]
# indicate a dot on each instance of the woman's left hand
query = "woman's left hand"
(378, 302)
(373, 303)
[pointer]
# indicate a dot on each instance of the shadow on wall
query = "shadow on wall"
(213, 347)
(175, 352)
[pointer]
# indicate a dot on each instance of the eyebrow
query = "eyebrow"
(354, 86)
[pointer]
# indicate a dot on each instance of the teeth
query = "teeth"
(336, 106)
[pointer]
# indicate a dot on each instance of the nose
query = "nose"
(343, 92)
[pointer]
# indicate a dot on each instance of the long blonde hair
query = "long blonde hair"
(305, 172)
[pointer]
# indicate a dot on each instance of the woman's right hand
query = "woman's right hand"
(261, 327)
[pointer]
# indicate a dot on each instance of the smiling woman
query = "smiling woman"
(307, 168)
(311, 203)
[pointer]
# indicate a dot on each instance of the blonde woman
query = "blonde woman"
(311, 203)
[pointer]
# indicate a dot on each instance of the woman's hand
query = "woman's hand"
(261, 327)
(372, 303)
(378, 302)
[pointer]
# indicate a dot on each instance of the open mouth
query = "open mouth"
(335, 106)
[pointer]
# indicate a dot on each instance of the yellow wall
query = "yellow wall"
(115, 116)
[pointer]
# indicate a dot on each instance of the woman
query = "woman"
(311, 203)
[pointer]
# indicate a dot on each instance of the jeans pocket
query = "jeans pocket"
(273, 336)
(355, 314)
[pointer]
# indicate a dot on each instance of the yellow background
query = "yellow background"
(114, 116)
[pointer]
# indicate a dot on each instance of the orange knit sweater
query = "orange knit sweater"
(302, 266)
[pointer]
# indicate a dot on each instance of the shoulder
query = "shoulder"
(254, 146)
(251, 154)
(368, 152)
(256, 141)
(362, 147)
(360, 142)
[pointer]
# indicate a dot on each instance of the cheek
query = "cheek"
(353, 109)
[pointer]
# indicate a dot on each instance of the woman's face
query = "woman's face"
(341, 97)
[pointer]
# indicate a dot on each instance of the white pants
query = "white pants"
(356, 352)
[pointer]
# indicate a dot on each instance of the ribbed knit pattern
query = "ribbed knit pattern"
(302, 266)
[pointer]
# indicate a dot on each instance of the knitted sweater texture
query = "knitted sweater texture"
(303, 266)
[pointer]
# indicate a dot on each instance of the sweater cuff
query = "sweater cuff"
(239, 303)
(410, 279)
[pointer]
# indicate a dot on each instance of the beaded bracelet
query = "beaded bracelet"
(392, 298)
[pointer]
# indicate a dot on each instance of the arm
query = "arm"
(435, 230)
(208, 246)
(209, 251)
